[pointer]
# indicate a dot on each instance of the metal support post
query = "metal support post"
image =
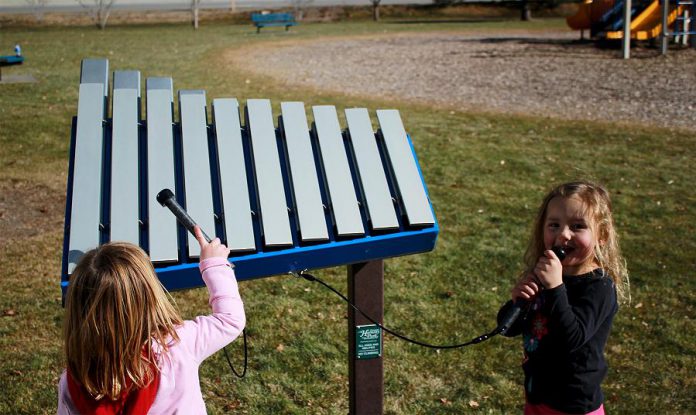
(366, 376)
(685, 28)
(665, 29)
(627, 29)
(692, 25)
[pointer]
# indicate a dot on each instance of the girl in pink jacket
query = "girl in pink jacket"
(127, 349)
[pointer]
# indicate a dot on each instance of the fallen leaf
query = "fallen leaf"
(9, 313)
(232, 405)
(473, 404)
(280, 347)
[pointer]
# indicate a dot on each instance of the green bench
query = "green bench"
(273, 19)
(10, 61)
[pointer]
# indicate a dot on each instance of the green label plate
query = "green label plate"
(368, 341)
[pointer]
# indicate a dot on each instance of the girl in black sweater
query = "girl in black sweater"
(571, 303)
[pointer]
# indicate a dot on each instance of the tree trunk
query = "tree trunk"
(102, 17)
(525, 11)
(375, 10)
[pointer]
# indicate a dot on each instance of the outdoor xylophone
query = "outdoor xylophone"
(284, 199)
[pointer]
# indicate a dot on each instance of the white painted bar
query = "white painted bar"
(85, 209)
(197, 181)
(408, 179)
(236, 207)
(380, 206)
(344, 203)
(124, 210)
(275, 223)
(162, 229)
(305, 183)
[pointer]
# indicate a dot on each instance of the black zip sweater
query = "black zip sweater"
(564, 331)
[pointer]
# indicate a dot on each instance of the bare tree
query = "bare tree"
(99, 10)
(37, 8)
(525, 11)
(299, 6)
(195, 6)
(375, 10)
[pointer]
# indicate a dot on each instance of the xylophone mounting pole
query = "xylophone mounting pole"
(366, 375)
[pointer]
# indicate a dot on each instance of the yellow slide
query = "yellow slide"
(648, 24)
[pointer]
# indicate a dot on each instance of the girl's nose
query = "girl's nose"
(565, 234)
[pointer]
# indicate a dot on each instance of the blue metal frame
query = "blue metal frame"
(293, 260)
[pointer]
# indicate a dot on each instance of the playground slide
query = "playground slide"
(648, 24)
(589, 11)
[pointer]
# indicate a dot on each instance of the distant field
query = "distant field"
(486, 173)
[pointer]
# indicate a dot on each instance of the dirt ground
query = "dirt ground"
(27, 209)
(549, 74)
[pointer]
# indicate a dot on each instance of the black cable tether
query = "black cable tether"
(479, 339)
(229, 362)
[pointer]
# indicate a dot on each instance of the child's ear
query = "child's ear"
(602, 237)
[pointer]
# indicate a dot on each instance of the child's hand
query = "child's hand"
(525, 289)
(549, 270)
(212, 249)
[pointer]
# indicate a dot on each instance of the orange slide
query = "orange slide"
(648, 24)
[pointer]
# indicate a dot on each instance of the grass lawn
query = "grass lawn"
(486, 175)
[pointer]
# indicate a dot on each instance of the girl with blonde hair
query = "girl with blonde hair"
(571, 302)
(127, 349)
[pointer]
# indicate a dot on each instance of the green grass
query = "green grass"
(484, 208)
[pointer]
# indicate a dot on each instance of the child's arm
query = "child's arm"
(578, 323)
(208, 334)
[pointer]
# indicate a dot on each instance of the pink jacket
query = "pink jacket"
(179, 389)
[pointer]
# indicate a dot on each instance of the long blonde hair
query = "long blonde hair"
(607, 253)
(115, 309)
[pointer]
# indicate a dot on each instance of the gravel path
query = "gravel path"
(530, 73)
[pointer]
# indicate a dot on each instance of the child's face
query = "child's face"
(568, 225)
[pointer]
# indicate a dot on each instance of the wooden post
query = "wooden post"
(366, 376)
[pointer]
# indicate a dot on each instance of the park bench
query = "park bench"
(10, 61)
(273, 19)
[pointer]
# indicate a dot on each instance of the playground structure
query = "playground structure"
(648, 19)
